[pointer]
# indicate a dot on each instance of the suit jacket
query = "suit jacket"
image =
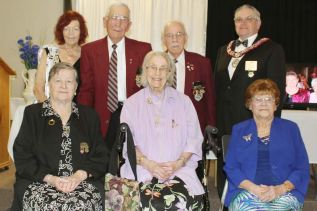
(230, 101)
(38, 144)
(94, 71)
(288, 157)
(198, 68)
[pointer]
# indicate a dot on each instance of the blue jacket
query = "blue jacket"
(288, 156)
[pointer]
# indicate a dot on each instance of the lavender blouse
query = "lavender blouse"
(163, 128)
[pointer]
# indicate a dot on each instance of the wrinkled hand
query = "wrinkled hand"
(171, 167)
(273, 193)
(66, 184)
(156, 170)
(259, 190)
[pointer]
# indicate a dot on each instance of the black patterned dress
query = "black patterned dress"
(42, 196)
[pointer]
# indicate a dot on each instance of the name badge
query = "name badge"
(251, 65)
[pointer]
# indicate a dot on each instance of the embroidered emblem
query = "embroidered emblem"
(247, 138)
(84, 148)
(51, 122)
(198, 90)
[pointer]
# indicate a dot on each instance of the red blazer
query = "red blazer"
(198, 68)
(94, 68)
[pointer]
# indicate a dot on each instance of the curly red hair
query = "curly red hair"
(64, 20)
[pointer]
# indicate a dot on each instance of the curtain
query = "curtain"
(148, 19)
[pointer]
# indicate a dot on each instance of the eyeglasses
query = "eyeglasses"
(177, 35)
(248, 19)
(119, 18)
(260, 100)
(155, 68)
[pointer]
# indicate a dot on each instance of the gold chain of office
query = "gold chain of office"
(241, 53)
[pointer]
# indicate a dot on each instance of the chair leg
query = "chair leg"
(222, 202)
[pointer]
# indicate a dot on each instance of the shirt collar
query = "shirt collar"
(250, 39)
(169, 92)
(120, 44)
(180, 58)
(47, 109)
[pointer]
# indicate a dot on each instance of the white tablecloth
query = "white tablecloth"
(307, 122)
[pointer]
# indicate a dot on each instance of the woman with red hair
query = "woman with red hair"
(70, 33)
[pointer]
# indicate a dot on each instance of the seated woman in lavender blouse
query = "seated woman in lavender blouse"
(266, 163)
(168, 139)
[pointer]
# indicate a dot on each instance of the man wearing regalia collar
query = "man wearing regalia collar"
(238, 64)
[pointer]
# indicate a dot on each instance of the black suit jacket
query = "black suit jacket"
(230, 101)
(38, 144)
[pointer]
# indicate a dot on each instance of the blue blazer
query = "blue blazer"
(288, 156)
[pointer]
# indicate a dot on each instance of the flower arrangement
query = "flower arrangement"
(28, 52)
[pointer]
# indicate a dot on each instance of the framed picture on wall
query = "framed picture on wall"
(301, 86)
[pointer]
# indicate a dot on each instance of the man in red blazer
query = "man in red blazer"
(95, 64)
(194, 73)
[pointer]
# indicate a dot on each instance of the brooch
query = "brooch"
(247, 138)
(198, 90)
(190, 67)
(149, 100)
(84, 148)
(51, 122)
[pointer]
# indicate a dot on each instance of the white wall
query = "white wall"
(19, 18)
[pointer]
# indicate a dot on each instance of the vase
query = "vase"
(29, 80)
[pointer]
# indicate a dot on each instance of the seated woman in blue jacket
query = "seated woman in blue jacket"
(266, 162)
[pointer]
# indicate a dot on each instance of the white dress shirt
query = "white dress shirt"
(240, 48)
(180, 71)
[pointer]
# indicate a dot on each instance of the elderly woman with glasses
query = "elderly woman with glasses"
(266, 163)
(167, 137)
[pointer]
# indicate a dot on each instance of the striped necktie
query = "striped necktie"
(112, 99)
(175, 75)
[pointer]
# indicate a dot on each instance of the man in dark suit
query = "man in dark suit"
(96, 62)
(238, 64)
(193, 73)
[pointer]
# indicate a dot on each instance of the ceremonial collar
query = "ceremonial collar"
(234, 54)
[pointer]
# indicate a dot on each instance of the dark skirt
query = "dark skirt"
(42, 196)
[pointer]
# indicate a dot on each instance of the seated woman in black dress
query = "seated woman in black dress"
(59, 154)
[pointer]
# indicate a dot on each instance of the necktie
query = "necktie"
(244, 43)
(175, 75)
(112, 99)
